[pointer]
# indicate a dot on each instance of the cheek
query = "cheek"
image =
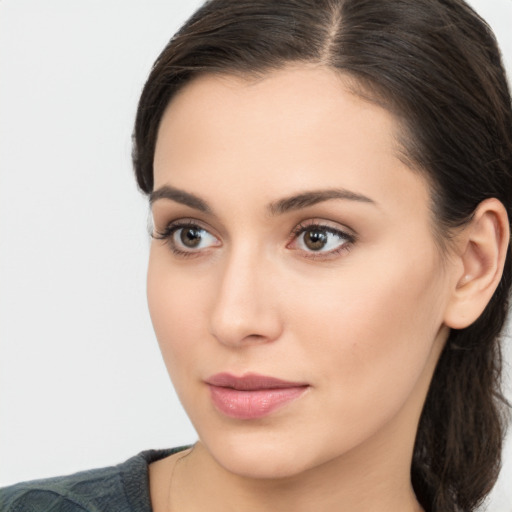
(176, 308)
(371, 328)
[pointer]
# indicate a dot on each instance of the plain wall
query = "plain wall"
(82, 383)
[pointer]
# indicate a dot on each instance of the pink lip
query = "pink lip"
(251, 396)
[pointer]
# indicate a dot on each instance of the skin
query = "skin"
(363, 327)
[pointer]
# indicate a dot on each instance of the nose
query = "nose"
(245, 309)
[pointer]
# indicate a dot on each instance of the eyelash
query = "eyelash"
(303, 227)
(169, 231)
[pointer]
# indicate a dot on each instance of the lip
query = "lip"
(251, 396)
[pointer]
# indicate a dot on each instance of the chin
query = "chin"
(259, 463)
(261, 456)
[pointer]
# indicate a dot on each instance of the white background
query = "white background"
(82, 384)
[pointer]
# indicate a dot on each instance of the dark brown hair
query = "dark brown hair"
(436, 65)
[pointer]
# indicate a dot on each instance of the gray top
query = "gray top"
(121, 488)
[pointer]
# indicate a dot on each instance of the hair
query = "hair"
(436, 65)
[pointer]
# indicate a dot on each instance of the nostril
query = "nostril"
(241, 331)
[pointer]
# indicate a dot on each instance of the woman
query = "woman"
(330, 185)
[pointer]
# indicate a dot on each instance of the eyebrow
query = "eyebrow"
(180, 196)
(279, 207)
(310, 198)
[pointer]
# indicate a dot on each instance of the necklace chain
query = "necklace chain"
(171, 480)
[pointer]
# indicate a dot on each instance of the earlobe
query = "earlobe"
(482, 249)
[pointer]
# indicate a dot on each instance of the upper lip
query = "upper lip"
(250, 382)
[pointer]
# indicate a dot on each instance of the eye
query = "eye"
(321, 239)
(187, 238)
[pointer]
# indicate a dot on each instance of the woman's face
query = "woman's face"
(292, 243)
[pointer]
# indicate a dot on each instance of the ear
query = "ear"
(479, 261)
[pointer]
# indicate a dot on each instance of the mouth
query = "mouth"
(251, 396)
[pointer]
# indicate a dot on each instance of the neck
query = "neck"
(344, 484)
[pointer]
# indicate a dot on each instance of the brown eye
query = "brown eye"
(315, 239)
(190, 237)
(187, 238)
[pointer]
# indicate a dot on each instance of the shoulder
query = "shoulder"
(123, 488)
(77, 492)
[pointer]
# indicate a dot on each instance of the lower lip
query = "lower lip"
(248, 405)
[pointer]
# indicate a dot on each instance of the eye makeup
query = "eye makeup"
(319, 240)
(314, 239)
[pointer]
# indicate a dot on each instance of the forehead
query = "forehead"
(299, 89)
(298, 127)
(300, 103)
